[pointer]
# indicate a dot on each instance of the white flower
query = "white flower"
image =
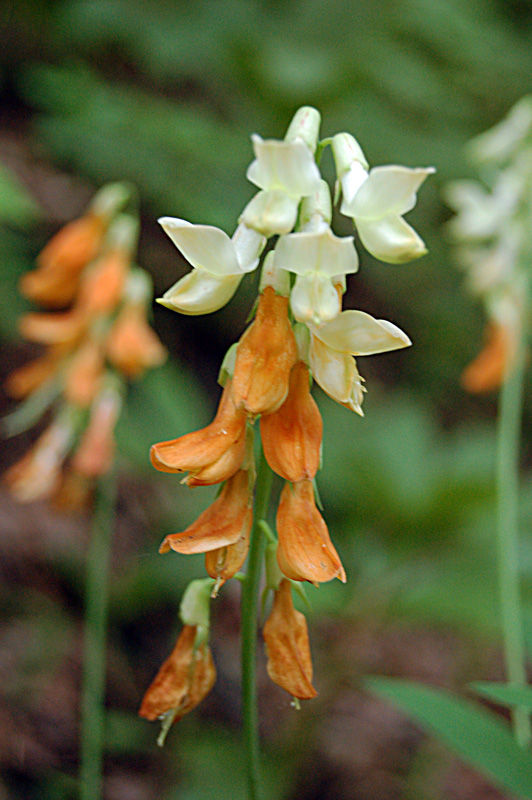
(219, 264)
(332, 347)
(317, 259)
(285, 170)
(283, 165)
(376, 201)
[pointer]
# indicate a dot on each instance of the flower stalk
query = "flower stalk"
(249, 609)
(95, 636)
(508, 448)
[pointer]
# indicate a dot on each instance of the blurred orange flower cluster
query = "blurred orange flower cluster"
(95, 335)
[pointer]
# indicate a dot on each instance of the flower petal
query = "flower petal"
(289, 166)
(390, 239)
(199, 292)
(337, 374)
(360, 334)
(204, 246)
(271, 213)
(316, 252)
(314, 298)
(388, 190)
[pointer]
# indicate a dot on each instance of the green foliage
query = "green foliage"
(474, 733)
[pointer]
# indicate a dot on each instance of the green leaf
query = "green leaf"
(505, 694)
(477, 735)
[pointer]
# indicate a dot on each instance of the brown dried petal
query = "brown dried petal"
(287, 646)
(184, 679)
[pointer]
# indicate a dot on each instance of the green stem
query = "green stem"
(508, 445)
(249, 609)
(94, 650)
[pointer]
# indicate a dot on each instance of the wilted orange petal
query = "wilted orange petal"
(132, 345)
(222, 524)
(287, 646)
(305, 551)
(486, 371)
(265, 356)
(183, 680)
(196, 450)
(291, 436)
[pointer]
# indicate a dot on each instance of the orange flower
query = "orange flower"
(184, 679)
(287, 646)
(103, 284)
(95, 452)
(84, 375)
(486, 371)
(37, 474)
(199, 449)
(224, 562)
(221, 469)
(224, 523)
(305, 551)
(55, 282)
(265, 356)
(26, 379)
(53, 329)
(132, 345)
(291, 436)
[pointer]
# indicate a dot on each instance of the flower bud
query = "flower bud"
(266, 354)
(291, 436)
(305, 551)
(225, 521)
(287, 646)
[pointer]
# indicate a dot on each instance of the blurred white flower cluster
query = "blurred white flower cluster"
(492, 233)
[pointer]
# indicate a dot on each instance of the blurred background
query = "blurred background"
(166, 94)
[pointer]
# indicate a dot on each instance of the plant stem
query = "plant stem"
(249, 608)
(508, 445)
(96, 605)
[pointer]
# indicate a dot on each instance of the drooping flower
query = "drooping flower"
(265, 356)
(305, 551)
(287, 646)
(291, 436)
(223, 523)
(184, 679)
(332, 347)
(376, 201)
(199, 449)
